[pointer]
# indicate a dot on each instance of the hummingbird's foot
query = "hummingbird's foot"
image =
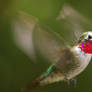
(68, 81)
(75, 81)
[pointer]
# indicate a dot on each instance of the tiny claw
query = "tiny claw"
(75, 82)
(68, 82)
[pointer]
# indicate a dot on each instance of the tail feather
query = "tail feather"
(33, 85)
(42, 81)
(52, 75)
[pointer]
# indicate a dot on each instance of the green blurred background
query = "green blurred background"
(16, 68)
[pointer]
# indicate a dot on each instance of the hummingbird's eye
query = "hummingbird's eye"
(89, 37)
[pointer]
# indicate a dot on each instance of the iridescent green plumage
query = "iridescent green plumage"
(49, 71)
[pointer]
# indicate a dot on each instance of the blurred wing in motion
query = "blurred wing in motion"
(48, 44)
(73, 24)
(22, 28)
(34, 38)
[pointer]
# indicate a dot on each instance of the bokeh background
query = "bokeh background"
(16, 68)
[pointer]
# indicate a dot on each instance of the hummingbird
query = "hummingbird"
(69, 55)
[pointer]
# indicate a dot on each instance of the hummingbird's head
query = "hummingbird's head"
(85, 42)
(85, 37)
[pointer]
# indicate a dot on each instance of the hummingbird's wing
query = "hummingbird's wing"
(31, 37)
(47, 43)
(72, 23)
(22, 28)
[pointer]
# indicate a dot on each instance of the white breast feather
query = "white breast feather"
(84, 58)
